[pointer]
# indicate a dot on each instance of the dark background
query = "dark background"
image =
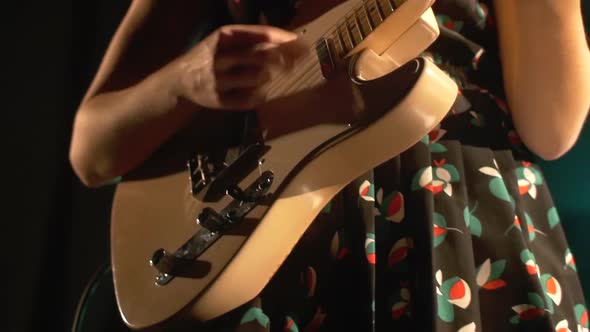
(57, 231)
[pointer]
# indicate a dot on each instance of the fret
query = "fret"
(374, 14)
(391, 5)
(341, 40)
(355, 27)
(379, 11)
(349, 32)
(339, 48)
(365, 18)
(368, 16)
(365, 25)
(386, 7)
(359, 26)
(355, 33)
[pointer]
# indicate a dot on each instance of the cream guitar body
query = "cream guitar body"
(226, 230)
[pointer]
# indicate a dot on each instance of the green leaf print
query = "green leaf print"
(445, 309)
(536, 300)
(581, 315)
(473, 224)
(530, 227)
(488, 274)
(497, 269)
(498, 189)
(550, 306)
(328, 208)
(514, 320)
(553, 217)
(425, 140)
(290, 325)
(537, 175)
(453, 171)
(527, 255)
(437, 148)
(255, 314)
(423, 175)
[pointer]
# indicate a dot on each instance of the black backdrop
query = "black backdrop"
(55, 232)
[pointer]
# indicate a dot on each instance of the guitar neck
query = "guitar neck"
(359, 23)
(335, 44)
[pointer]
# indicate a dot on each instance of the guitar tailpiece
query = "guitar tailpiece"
(214, 224)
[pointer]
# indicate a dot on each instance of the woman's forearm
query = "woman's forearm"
(546, 66)
(115, 131)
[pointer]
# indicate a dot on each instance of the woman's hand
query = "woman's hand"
(229, 68)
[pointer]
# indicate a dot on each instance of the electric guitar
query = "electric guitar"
(197, 232)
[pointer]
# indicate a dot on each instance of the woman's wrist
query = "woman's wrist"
(166, 88)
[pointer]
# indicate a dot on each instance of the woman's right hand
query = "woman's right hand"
(229, 69)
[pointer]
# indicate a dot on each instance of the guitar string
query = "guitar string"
(308, 62)
(301, 80)
(352, 15)
(311, 56)
(356, 17)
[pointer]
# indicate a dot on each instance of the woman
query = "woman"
(459, 233)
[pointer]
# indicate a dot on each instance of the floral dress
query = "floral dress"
(459, 233)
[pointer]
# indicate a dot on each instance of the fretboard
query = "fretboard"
(359, 23)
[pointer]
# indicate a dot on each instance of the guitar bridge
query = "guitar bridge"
(214, 224)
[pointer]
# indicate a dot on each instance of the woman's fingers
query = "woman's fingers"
(256, 56)
(239, 36)
(231, 69)
(243, 78)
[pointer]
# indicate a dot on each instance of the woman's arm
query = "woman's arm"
(149, 85)
(131, 106)
(546, 68)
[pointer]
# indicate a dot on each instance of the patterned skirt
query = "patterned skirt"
(458, 233)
